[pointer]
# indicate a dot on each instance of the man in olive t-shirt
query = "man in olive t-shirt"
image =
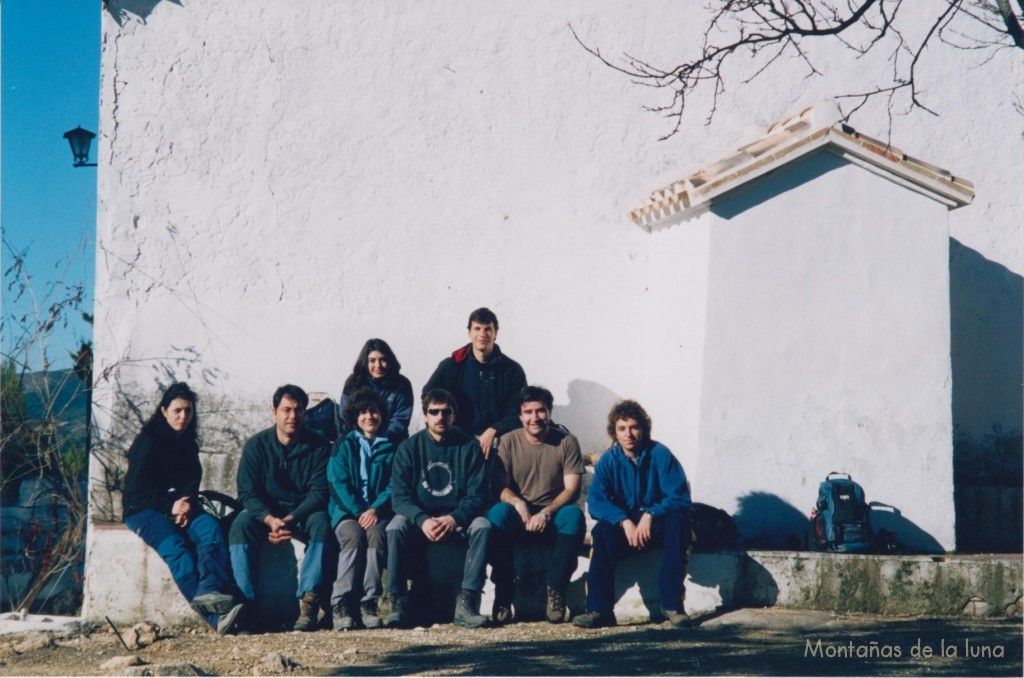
(538, 475)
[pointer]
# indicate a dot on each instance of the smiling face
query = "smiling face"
(178, 414)
(369, 422)
(629, 436)
(535, 419)
(482, 336)
(377, 365)
(439, 418)
(288, 418)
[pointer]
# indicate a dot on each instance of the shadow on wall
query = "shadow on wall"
(916, 540)
(987, 352)
(122, 10)
(783, 180)
(586, 414)
(767, 521)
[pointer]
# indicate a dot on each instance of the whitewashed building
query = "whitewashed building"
(279, 182)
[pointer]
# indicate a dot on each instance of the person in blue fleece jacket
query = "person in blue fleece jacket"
(640, 499)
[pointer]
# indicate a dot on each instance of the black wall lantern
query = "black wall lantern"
(80, 140)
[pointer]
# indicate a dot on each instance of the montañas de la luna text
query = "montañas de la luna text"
(875, 649)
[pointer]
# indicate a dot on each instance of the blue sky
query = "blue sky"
(50, 77)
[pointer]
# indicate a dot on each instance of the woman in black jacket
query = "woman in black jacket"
(377, 368)
(161, 505)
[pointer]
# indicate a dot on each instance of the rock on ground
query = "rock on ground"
(273, 664)
(122, 662)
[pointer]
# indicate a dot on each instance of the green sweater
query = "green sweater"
(344, 479)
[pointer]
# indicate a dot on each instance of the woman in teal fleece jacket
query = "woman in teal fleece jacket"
(359, 477)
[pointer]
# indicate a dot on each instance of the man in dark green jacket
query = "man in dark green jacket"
(282, 484)
(438, 492)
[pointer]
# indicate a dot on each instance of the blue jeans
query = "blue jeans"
(196, 555)
(671, 531)
(566, 530)
(248, 534)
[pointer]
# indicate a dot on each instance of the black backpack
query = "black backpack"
(841, 520)
(712, 528)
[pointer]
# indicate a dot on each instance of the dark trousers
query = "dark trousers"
(670, 532)
(407, 553)
(196, 555)
(565, 530)
(248, 535)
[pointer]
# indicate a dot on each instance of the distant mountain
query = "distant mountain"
(60, 395)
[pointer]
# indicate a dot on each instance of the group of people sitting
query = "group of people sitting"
(489, 469)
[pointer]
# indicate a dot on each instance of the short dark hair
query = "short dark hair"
(441, 397)
(291, 391)
(483, 316)
(630, 409)
(534, 394)
(361, 400)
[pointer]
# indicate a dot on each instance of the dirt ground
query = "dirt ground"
(750, 642)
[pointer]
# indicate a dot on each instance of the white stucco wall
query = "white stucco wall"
(279, 182)
(829, 354)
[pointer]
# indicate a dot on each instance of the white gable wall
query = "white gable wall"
(827, 349)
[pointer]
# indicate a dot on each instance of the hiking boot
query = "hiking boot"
(678, 620)
(401, 616)
(368, 610)
(344, 619)
(309, 610)
(555, 611)
(594, 620)
(227, 623)
(467, 610)
(501, 610)
(213, 603)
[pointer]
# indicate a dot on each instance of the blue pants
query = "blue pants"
(196, 555)
(671, 531)
(248, 534)
(566, 530)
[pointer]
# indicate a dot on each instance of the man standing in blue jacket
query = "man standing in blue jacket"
(640, 499)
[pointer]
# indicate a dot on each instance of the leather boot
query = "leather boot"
(309, 610)
(467, 610)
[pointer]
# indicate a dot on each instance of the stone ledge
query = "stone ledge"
(128, 582)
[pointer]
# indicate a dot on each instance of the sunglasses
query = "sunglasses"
(443, 411)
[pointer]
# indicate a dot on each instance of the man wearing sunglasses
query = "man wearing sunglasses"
(438, 493)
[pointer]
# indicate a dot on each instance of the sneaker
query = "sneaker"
(309, 611)
(344, 620)
(594, 620)
(227, 624)
(555, 611)
(467, 610)
(678, 620)
(400, 617)
(213, 603)
(368, 611)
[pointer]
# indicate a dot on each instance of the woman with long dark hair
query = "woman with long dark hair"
(161, 505)
(377, 368)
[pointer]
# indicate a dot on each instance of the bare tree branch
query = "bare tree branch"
(767, 30)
